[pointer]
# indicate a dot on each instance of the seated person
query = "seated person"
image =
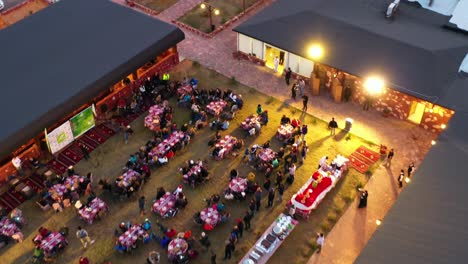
(220, 207)
(295, 123)
(162, 160)
(146, 225)
(216, 151)
(266, 144)
(228, 195)
(225, 125)
(275, 162)
(161, 192)
(44, 232)
(233, 174)
(252, 131)
(170, 154)
(170, 233)
(238, 145)
(285, 120)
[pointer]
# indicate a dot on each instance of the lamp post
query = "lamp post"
(211, 10)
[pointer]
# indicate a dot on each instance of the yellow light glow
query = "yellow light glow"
(443, 126)
(315, 51)
(431, 110)
(433, 142)
(374, 85)
(216, 12)
(378, 222)
(203, 6)
(407, 180)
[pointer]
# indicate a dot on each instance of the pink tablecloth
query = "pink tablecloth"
(51, 241)
(58, 190)
(251, 121)
(267, 154)
(285, 131)
(73, 180)
(152, 120)
(185, 89)
(90, 212)
(173, 139)
(194, 169)
(210, 216)
(164, 203)
(130, 237)
(216, 107)
(8, 228)
(177, 246)
(128, 178)
(238, 184)
(226, 144)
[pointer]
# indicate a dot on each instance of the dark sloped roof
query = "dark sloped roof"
(54, 61)
(414, 53)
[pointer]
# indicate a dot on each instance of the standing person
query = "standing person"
(271, 197)
(204, 240)
(280, 192)
(259, 109)
(83, 236)
(228, 250)
(301, 87)
(390, 155)
(252, 206)
(401, 177)
(127, 132)
(363, 198)
(292, 211)
(304, 131)
(84, 151)
(153, 257)
(332, 125)
(305, 100)
(287, 76)
(213, 257)
(258, 198)
(293, 91)
(276, 63)
(141, 205)
(320, 241)
(410, 169)
(247, 217)
(240, 227)
(304, 151)
(83, 260)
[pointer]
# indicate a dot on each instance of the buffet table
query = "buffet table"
(270, 240)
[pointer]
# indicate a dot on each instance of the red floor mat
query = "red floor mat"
(370, 154)
(359, 165)
(71, 155)
(106, 130)
(94, 140)
(17, 196)
(57, 166)
(76, 149)
(89, 142)
(95, 135)
(10, 202)
(4, 205)
(63, 159)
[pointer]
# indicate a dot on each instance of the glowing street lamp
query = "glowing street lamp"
(211, 10)
(378, 222)
(374, 85)
(433, 142)
(315, 51)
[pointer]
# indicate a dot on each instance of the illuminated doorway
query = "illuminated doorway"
(416, 112)
(270, 54)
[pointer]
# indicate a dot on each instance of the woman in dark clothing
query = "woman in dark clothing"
(363, 199)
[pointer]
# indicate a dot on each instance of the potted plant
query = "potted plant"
(386, 112)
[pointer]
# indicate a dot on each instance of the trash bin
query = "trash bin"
(348, 124)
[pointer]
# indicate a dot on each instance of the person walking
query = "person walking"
(304, 151)
(228, 250)
(363, 198)
(320, 241)
(301, 87)
(204, 240)
(127, 132)
(410, 169)
(280, 192)
(247, 217)
(401, 177)
(390, 155)
(141, 205)
(304, 131)
(276, 63)
(271, 196)
(305, 100)
(83, 236)
(258, 198)
(287, 76)
(292, 211)
(293, 91)
(252, 206)
(332, 125)
(83, 260)
(213, 257)
(84, 150)
(240, 227)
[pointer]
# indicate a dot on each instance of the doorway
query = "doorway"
(270, 54)
(416, 112)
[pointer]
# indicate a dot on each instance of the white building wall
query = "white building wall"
(294, 62)
(245, 43)
(257, 48)
(306, 67)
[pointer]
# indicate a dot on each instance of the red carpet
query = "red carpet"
(72, 156)
(57, 166)
(95, 136)
(358, 164)
(64, 160)
(363, 158)
(106, 130)
(36, 182)
(370, 154)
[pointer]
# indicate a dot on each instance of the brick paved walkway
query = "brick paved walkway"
(411, 143)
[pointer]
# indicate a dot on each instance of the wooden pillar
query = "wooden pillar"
(315, 84)
(134, 76)
(337, 90)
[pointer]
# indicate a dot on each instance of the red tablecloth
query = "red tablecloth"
(177, 246)
(164, 203)
(8, 228)
(266, 155)
(90, 212)
(152, 120)
(195, 169)
(210, 216)
(315, 196)
(238, 184)
(130, 237)
(51, 241)
(285, 131)
(251, 121)
(128, 178)
(173, 139)
(216, 107)
(226, 144)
